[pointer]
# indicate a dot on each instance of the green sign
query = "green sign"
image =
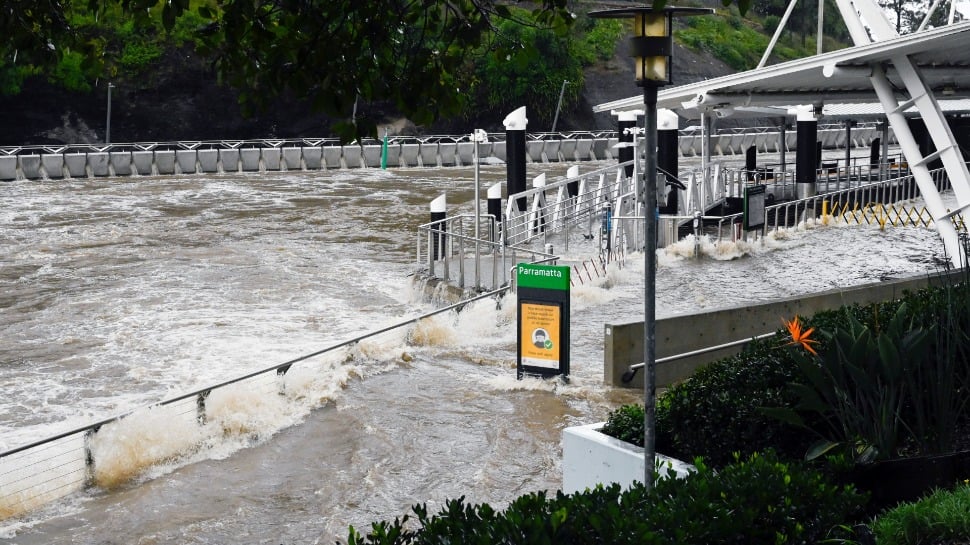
(549, 277)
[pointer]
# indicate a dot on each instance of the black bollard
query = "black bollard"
(515, 124)
(438, 213)
(494, 209)
(806, 154)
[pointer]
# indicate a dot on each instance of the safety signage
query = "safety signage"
(543, 320)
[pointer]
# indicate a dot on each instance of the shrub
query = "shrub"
(890, 379)
(758, 500)
(715, 412)
(625, 424)
(943, 517)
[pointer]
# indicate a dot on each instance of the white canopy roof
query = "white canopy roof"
(837, 77)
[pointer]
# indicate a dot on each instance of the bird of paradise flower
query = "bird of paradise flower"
(799, 336)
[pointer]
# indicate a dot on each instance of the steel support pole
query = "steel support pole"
(649, 285)
(478, 218)
(107, 130)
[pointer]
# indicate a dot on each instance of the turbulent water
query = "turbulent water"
(117, 293)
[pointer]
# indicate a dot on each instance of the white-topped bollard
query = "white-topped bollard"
(515, 124)
(494, 208)
(439, 212)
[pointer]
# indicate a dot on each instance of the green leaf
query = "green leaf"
(821, 448)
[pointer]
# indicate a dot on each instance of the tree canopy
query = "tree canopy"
(409, 54)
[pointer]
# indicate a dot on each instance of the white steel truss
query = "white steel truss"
(861, 15)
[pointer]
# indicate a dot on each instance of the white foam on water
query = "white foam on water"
(124, 449)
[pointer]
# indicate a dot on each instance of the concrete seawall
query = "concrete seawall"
(623, 343)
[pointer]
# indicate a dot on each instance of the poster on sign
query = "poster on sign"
(543, 320)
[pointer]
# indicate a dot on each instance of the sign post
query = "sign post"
(543, 320)
(754, 207)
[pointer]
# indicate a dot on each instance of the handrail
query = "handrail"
(632, 369)
(280, 368)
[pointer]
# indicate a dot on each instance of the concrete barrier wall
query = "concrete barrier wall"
(186, 159)
(293, 158)
(409, 154)
(208, 160)
(332, 156)
(249, 157)
(623, 343)
(8, 167)
(428, 154)
(533, 151)
(229, 159)
(53, 164)
(446, 154)
(313, 157)
(76, 164)
(144, 162)
(466, 152)
(30, 165)
(271, 158)
(165, 162)
(98, 163)
(121, 163)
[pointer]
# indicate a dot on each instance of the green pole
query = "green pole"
(384, 152)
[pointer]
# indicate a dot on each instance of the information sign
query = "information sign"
(543, 320)
(754, 207)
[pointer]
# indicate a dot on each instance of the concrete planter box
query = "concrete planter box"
(590, 458)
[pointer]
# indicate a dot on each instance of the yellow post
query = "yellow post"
(825, 212)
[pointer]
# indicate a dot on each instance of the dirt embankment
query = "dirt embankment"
(180, 99)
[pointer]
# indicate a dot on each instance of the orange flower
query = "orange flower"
(799, 337)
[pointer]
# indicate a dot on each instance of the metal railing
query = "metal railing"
(229, 143)
(54, 467)
(450, 252)
(787, 214)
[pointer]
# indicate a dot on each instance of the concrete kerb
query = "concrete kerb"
(623, 343)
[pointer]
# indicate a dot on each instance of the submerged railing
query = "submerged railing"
(54, 467)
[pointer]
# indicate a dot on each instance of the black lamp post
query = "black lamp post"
(652, 46)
